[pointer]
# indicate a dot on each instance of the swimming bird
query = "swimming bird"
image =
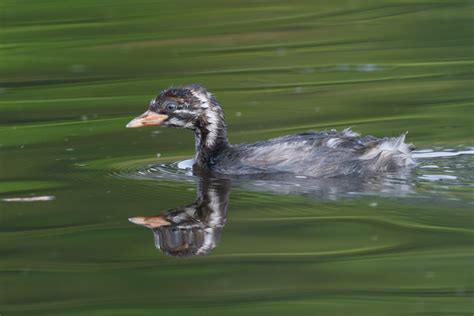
(327, 153)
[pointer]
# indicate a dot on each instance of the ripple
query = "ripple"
(442, 174)
(420, 154)
(179, 170)
(437, 177)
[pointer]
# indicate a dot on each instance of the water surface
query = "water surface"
(72, 76)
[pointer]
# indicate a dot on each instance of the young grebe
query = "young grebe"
(314, 154)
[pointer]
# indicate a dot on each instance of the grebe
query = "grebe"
(314, 154)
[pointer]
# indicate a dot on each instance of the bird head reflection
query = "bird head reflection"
(194, 229)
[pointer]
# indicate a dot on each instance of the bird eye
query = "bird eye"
(171, 106)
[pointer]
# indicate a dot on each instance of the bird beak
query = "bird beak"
(150, 222)
(149, 118)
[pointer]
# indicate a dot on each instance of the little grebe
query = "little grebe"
(316, 154)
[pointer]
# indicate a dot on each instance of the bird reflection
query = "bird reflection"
(194, 229)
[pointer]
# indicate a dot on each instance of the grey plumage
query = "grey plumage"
(315, 154)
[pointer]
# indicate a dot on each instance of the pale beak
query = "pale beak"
(150, 222)
(149, 118)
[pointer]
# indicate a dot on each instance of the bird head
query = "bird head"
(191, 107)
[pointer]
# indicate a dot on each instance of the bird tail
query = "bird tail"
(390, 154)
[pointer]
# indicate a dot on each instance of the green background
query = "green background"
(73, 73)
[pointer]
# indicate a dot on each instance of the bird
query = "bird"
(319, 154)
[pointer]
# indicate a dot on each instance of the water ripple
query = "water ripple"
(441, 173)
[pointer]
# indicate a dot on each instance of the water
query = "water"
(435, 173)
(71, 175)
(195, 229)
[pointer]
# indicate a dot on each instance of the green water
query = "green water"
(72, 74)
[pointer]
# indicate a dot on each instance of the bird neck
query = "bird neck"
(210, 137)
